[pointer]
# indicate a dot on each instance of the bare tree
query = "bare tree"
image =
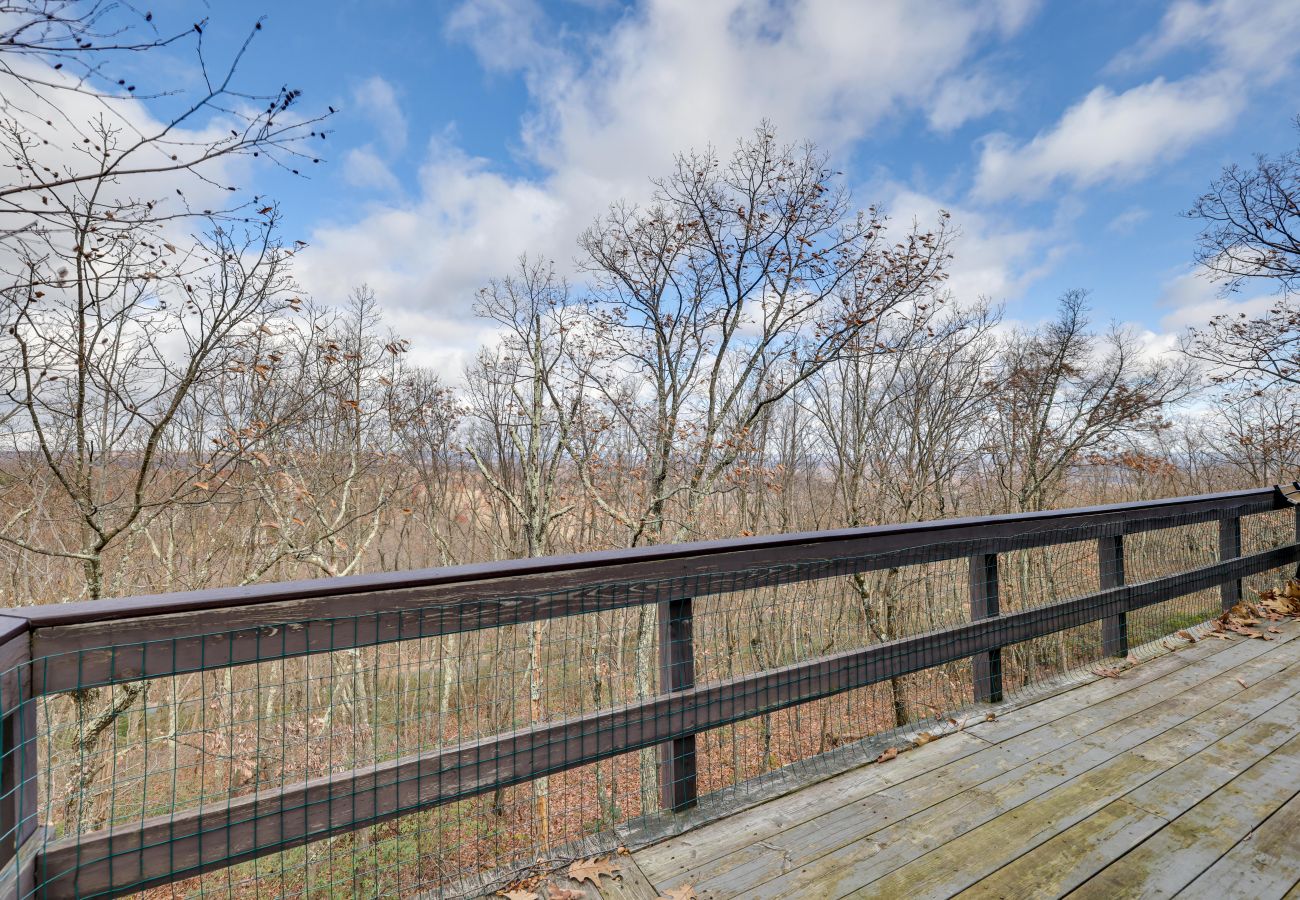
(106, 349)
(1061, 391)
(1250, 221)
(1257, 433)
(899, 429)
(134, 274)
(331, 384)
(521, 408)
(1251, 232)
(520, 400)
(738, 282)
(78, 139)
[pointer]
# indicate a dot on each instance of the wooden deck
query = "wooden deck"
(1181, 776)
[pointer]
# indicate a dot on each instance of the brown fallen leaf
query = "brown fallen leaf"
(681, 892)
(1273, 629)
(922, 738)
(1132, 660)
(592, 869)
(989, 717)
(1187, 636)
(887, 755)
(1107, 672)
(518, 894)
(559, 893)
(1242, 682)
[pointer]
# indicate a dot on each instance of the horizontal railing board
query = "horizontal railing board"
(178, 845)
(739, 553)
(458, 599)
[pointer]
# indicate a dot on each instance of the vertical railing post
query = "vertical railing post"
(985, 667)
(1110, 567)
(1297, 535)
(19, 795)
(1230, 548)
(677, 789)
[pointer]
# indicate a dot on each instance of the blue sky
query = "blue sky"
(1065, 137)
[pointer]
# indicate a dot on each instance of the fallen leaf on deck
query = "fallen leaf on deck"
(989, 717)
(518, 895)
(1131, 660)
(681, 892)
(559, 893)
(922, 739)
(1242, 682)
(1273, 629)
(592, 869)
(887, 755)
(1106, 672)
(1187, 636)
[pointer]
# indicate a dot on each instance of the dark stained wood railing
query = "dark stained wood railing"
(49, 649)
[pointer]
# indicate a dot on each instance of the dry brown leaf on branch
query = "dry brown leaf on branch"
(887, 755)
(592, 869)
(681, 892)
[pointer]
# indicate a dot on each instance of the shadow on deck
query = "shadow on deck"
(1180, 776)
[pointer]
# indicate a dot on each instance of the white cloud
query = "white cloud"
(376, 101)
(1127, 221)
(1259, 37)
(502, 33)
(964, 98)
(668, 76)
(363, 168)
(1192, 299)
(1109, 137)
(1115, 137)
(992, 259)
(425, 258)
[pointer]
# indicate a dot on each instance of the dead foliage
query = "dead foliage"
(1251, 619)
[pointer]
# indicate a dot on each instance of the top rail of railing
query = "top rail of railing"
(381, 592)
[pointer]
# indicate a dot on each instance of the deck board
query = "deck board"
(1265, 865)
(1182, 775)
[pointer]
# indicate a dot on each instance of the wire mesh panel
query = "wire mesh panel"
(442, 749)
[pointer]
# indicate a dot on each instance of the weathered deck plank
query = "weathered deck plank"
(1059, 795)
(1265, 865)
(1175, 855)
(978, 852)
(1007, 773)
(717, 849)
(1246, 757)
